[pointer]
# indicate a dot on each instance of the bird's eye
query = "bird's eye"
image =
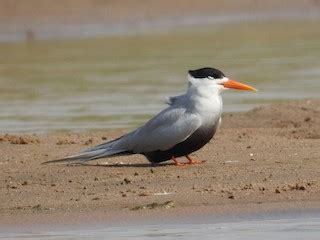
(210, 77)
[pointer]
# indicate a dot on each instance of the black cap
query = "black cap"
(206, 72)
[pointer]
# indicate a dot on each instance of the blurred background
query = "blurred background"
(78, 65)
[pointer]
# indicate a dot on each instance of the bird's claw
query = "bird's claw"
(192, 161)
(179, 164)
(196, 162)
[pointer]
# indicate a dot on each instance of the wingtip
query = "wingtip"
(50, 162)
(62, 160)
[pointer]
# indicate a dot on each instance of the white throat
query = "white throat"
(205, 98)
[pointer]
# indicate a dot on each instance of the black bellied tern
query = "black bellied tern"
(186, 125)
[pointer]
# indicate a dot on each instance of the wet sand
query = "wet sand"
(262, 160)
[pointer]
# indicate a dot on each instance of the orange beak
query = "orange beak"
(237, 85)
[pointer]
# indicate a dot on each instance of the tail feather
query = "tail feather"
(109, 145)
(89, 156)
(108, 149)
(102, 146)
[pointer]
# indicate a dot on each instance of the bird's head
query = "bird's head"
(215, 79)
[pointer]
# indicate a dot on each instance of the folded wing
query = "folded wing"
(168, 128)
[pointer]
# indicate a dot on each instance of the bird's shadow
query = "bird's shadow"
(123, 165)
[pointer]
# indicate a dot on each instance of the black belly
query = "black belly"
(196, 141)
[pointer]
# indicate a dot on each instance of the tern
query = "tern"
(186, 125)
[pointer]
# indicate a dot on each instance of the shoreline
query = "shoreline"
(264, 160)
(183, 215)
(71, 31)
(89, 11)
(90, 18)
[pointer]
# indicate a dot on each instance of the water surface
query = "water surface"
(281, 228)
(121, 81)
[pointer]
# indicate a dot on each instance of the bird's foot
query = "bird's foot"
(177, 163)
(196, 161)
(192, 161)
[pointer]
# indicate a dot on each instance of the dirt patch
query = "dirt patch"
(296, 119)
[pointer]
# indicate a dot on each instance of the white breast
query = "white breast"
(206, 101)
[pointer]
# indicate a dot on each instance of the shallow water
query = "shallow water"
(303, 227)
(121, 81)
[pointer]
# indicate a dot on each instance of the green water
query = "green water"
(121, 81)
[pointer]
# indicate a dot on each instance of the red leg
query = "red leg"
(191, 161)
(176, 162)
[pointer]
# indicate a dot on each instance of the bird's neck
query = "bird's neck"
(205, 101)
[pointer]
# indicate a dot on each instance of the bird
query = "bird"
(187, 124)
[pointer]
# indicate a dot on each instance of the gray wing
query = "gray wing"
(168, 128)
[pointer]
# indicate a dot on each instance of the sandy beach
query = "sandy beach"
(260, 160)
